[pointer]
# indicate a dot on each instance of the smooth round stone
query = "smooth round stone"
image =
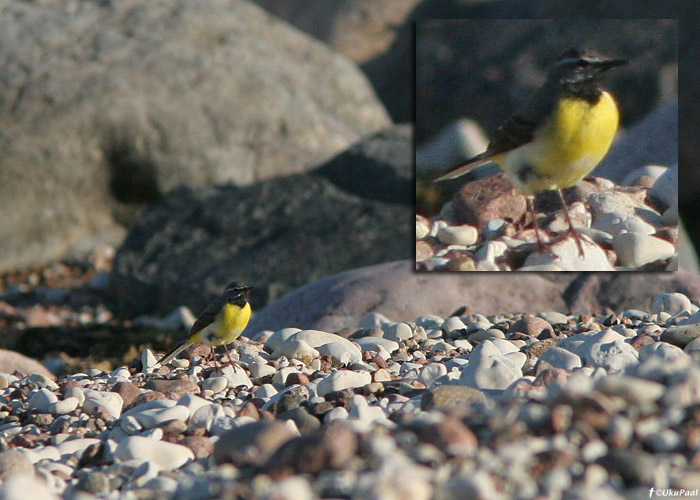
(340, 353)
(613, 356)
(373, 320)
(662, 350)
(295, 348)
(265, 391)
(280, 376)
(490, 251)
(489, 333)
(122, 372)
(214, 384)
(681, 335)
(429, 321)
(458, 235)
(39, 380)
(67, 405)
(449, 398)
(167, 456)
(431, 372)
(251, 444)
(24, 487)
(130, 425)
(76, 446)
(316, 338)
(519, 358)
(337, 413)
(189, 401)
(453, 323)
(14, 462)
(671, 303)
(693, 345)
(635, 250)
(77, 393)
(490, 372)
(260, 369)
(463, 344)
(342, 379)
(277, 339)
(110, 401)
(397, 331)
(95, 482)
(204, 417)
(560, 358)
(485, 349)
(665, 441)
(554, 317)
(422, 230)
(636, 390)
(42, 400)
(154, 417)
(615, 222)
(373, 344)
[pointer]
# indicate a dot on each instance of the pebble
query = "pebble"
(458, 235)
(110, 401)
(373, 344)
(635, 250)
(397, 332)
(42, 400)
(342, 379)
(559, 358)
(295, 348)
(167, 456)
(537, 410)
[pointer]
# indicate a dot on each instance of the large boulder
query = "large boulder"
(395, 290)
(105, 105)
(276, 235)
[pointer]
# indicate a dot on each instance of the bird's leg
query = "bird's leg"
(531, 207)
(575, 234)
(228, 353)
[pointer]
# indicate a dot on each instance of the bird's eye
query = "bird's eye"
(582, 63)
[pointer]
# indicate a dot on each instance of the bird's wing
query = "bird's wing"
(208, 316)
(517, 130)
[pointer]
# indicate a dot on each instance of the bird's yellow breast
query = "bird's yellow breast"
(226, 327)
(569, 146)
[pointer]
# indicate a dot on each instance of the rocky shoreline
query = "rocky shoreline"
(499, 406)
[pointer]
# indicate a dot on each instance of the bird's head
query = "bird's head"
(576, 67)
(236, 290)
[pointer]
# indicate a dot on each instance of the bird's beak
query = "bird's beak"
(610, 63)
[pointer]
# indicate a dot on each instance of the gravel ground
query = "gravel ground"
(508, 406)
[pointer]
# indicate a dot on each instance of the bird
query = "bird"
(222, 322)
(558, 136)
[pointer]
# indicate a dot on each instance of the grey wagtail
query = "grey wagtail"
(557, 137)
(221, 323)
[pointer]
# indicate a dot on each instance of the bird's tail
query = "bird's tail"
(171, 355)
(464, 167)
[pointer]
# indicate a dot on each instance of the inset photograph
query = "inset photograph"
(546, 145)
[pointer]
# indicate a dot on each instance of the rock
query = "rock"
(295, 348)
(155, 128)
(490, 372)
(681, 335)
(331, 448)
(22, 487)
(672, 303)
(448, 398)
(342, 300)
(613, 356)
(167, 456)
(377, 168)
(11, 361)
(251, 444)
(110, 401)
(634, 249)
(201, 446)
(95, 482)
(559, 358)
(13, 463)
(41, 400)
(374, 343)
(295, 208)
(358, 30)
(342, 379)
(172, 388)
(341, 353)
(532, 326)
